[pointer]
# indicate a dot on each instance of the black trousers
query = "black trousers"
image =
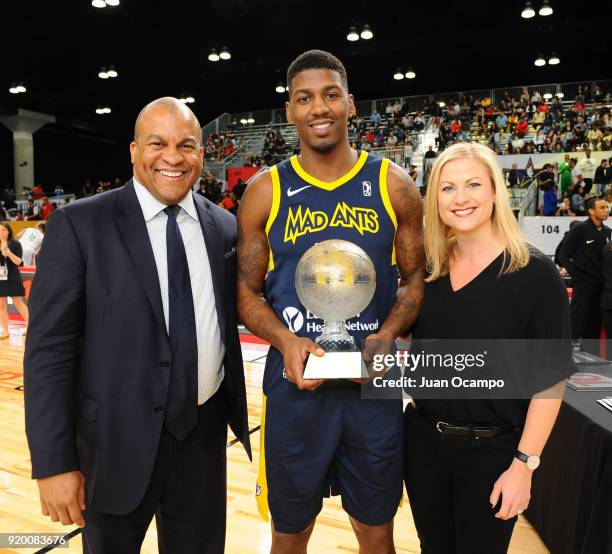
(187, 495)
(449, 481)
(588, 185)
(586, 315)
(606, 314)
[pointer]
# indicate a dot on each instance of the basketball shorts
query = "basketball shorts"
(326, 442)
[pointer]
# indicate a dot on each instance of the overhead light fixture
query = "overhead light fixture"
(554, 60)
(528, 11)
(398, 76)
(559, 95)
(367, 33)
(547, 96)
(546, 8)
(17, 89)
(225, 55)
(280, 88)
(98, 3)
(112, 3)
(250, 119)
(441, 104)
(352, 34)
(540, 61)
(410, 74)
(99, 111)
(286, 89)
(244, 121)
(190, 100)
(103, 74)
(112, 72)
(102, 110)
(213, 56)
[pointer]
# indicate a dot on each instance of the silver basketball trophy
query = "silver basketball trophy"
(335, 280)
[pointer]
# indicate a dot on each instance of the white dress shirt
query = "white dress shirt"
(211, 349)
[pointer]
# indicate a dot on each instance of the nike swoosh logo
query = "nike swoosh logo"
(292, 192)
(590, 241)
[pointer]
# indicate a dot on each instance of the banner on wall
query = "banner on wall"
(545, 233)
(244, 173)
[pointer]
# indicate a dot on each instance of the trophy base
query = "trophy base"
(335, 365)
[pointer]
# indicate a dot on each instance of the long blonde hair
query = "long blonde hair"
(440, 241)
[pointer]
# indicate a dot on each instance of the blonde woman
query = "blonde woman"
(469, 462)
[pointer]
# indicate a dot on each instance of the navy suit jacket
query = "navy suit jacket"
(98, 359)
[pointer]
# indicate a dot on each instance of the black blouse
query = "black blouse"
(531, 303)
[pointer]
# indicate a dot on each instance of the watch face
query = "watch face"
(533, 462)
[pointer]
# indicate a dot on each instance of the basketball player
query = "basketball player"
(320, 437)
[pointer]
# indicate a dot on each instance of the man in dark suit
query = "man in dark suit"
(133, 365)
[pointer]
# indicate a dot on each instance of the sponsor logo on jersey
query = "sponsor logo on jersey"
(367, 188)
(293, 192)
(293, 318)
(301, 221)
(257, 490)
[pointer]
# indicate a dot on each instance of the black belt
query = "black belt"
(468, 430)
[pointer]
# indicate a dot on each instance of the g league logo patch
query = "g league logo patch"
(367, 188)
(293, 318)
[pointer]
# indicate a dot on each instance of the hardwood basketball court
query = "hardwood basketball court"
(246, 531)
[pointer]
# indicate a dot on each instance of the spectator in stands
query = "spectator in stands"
(10, 278)
(513, 177)
(45, 208)
(501, 120)
(565, 209)
(389, 109)
(546, 182)
(581, 255)
(226, 202)
(430, 153)
(578, 197)
(88, 189)
(609, 172)
(32, 211)
(565, 174)
(38, 192)
(58, 191)
(599, 179)
(521, 127)
(375, 118)
(587, 168)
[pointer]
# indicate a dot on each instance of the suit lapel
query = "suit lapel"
(134, 232)
(214, 246)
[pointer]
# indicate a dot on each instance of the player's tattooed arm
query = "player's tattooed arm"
(409, 251)
(253, 258)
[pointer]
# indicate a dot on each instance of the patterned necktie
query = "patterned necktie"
(182, 404)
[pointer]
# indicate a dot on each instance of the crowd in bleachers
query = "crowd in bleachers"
(217, 147)
(530, 124)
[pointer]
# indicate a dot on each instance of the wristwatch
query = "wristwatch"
(532, 461)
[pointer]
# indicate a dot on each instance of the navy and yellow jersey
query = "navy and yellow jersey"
(306, 211)
(291, 479)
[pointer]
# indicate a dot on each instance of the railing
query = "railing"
(58, 200)
(216, 125)
(422, 101)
